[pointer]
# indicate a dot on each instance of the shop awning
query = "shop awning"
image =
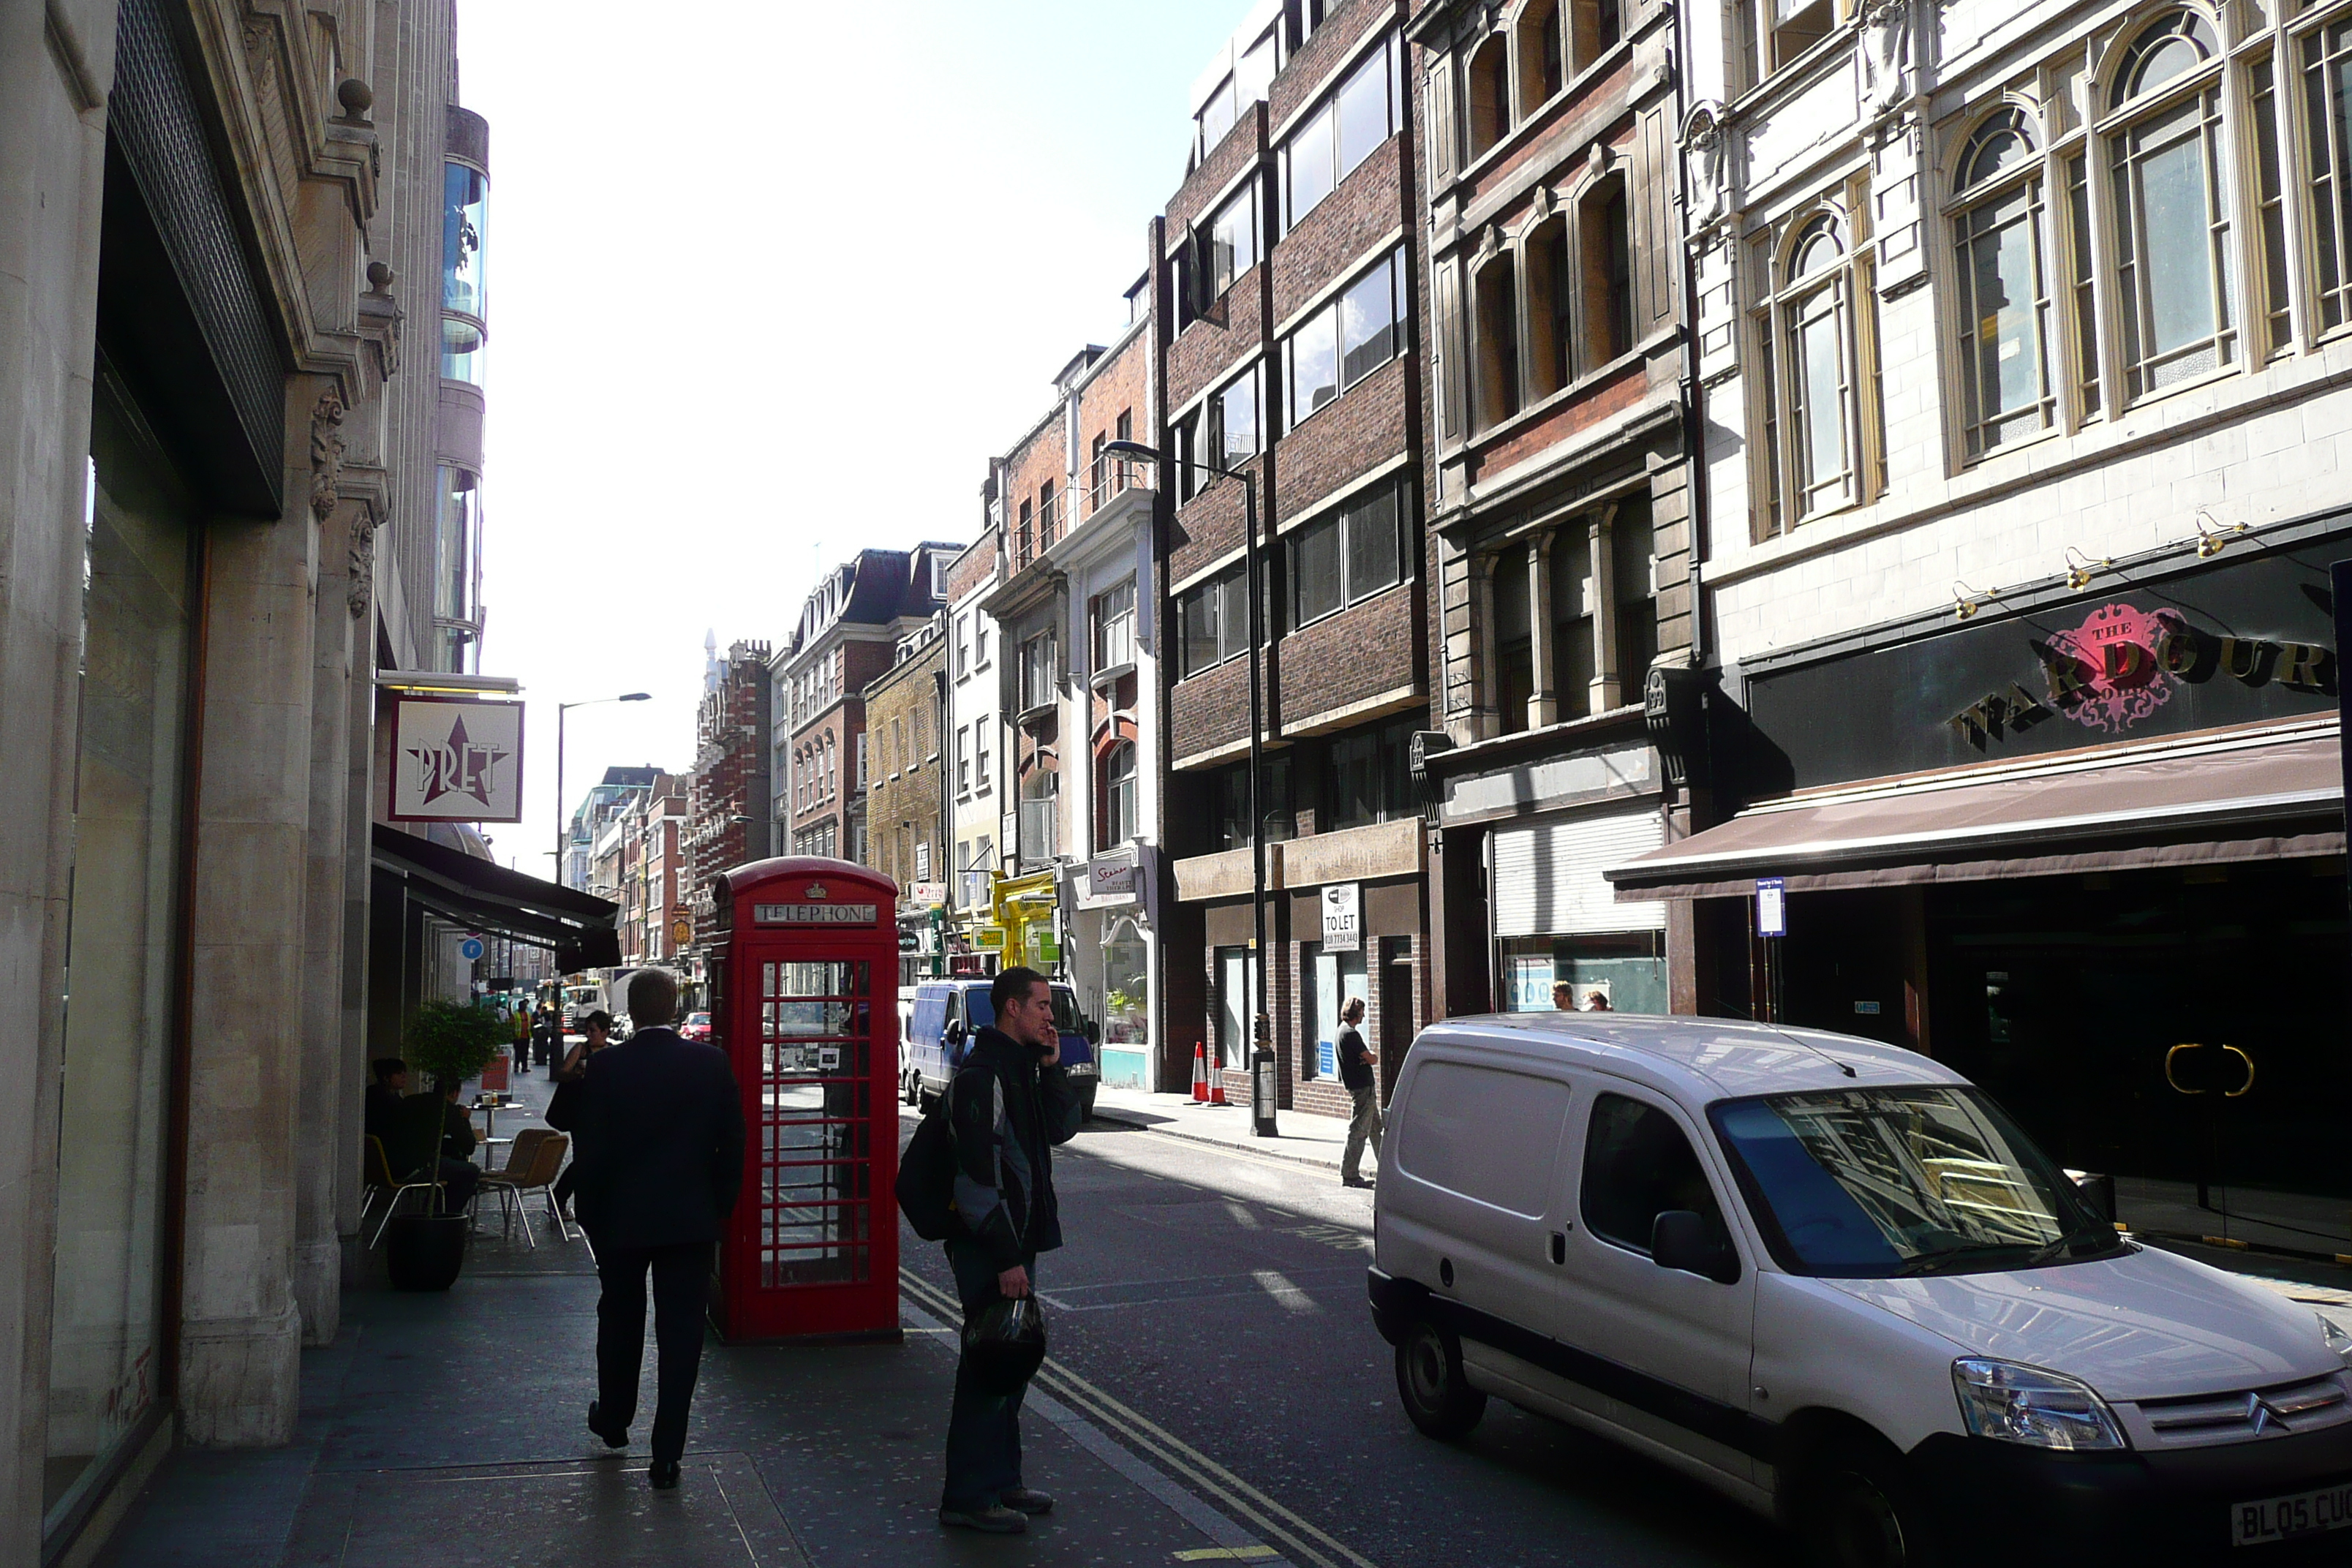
(2260, 796)
(485, 897)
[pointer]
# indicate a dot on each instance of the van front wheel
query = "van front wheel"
(1861, 1510)
(1437, 1397)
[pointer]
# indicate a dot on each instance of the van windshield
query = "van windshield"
(1879, 1183)
(1066, 1010)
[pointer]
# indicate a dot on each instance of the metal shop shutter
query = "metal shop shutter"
(1547, 875)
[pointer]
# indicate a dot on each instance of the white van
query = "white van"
(1831, 1279)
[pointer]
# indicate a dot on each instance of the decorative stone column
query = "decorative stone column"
(241, 1327)
(1607, 687)
(1543, 702)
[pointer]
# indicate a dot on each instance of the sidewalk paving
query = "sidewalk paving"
(1309, 1139)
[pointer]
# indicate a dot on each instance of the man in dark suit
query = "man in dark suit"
(660, 1152)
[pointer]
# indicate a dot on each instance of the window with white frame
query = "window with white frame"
(1121, 795)
(963, 762)
(982, 742)
(2003, 306)
(1340, 344)
(1345, 557)
(1114, 627)
(963, 647)
(1342, 132)
(1038, 676)
(2327, 140)
(1813, 356)
(979, 640)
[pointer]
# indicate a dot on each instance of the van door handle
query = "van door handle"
(1558, 1246)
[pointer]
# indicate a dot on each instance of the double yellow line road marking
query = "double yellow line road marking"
(1298, 1539)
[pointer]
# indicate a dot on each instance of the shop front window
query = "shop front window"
(1605, 973)
(1127, 986)
(124, 936)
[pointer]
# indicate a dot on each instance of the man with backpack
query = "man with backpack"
(1007, 1106)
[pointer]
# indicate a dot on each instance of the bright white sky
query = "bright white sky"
(770, 289)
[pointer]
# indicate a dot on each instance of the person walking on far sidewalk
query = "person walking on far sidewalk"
(660, 1131)
(1356, 1060)
(1008, 1105)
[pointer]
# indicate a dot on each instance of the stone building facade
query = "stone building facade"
(976, 735)
(906, 767)
(1558, 506)
(1286, 276)
(222, 279)
(2021, 335)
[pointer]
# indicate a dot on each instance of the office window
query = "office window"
(2172, 214)
(2003, 296)
(1488, 98)
(861, 759)
(1114, 627)
(1229, 243)
(1341, 344)
(1543, 54)
(2328, 137)
(1634, 560)
(1370, 777)
(1215, 118)
(922, 860)
(1233, 422)
(1812, 356)
(1349, 128)
(1349, 555)
(982, 742)
(1608, 272)
(1123, 471)
(1213, 620)
(1228, 792)
(1774, 32)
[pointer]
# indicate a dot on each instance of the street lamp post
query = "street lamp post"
(556, 1057)
(1262, 1031)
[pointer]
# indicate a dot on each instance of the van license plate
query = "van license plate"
(2283, 1517)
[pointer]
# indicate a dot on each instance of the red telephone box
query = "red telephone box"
(806, 1005)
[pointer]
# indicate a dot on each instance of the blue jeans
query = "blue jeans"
(983, 1429)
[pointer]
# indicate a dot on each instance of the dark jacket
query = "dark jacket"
(1007, 1113)
(659, 1141)
(383, 1113)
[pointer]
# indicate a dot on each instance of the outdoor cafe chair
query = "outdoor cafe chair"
(383, 1184)
(545, 1159)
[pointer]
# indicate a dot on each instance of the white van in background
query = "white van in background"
(1831, 1279)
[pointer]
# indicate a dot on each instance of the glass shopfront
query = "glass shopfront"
(124, 959)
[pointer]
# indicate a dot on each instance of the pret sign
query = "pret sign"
(1343, 925)
(456, 760)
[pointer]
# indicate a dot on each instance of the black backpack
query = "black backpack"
(926, 1171)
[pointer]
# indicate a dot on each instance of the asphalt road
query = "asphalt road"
(1208, 1316)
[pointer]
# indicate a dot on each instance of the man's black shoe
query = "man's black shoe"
(663, 1474)
(994, 1520)
(1355, 1180)
(1027, 1502)
(619, 1439)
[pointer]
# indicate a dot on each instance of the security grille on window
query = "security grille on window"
(1346, 557)
(2004, 300)
(1342, 133)
(1213, 620)
(1341, 344)
(1114, 622)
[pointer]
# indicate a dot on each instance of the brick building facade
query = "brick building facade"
(1284, 279)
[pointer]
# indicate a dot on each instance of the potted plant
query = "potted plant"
(447, 1043)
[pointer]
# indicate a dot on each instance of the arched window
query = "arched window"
(2002, 304)
(1812, 355)
(1489, 95)
(1543, 54)
(1121, 796)
(1495, 290)
(2166, 158)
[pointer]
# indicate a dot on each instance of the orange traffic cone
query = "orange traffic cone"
(1200, 1073)
(1217, 1086)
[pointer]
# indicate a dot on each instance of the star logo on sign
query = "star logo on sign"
(459, 765)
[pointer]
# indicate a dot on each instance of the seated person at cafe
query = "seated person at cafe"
(384, 1096)
(435, 1135)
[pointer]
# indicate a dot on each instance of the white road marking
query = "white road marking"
(1288, 1297)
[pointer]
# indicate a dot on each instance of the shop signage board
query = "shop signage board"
(1532, 979)
(456, 760)
(1771, 906)
(927, 892)
(1111, 875)
(1343, 923)
(2174, 647)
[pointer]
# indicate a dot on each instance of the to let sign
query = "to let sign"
(1343, 925)
(457, 759)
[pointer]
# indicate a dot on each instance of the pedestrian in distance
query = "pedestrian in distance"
(563, 1106)
(1597, 1001)
(1008, 1105)
(1563, 996)
(1356, 1060)
(660, 1152)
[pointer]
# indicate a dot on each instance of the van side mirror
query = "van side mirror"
(1091, 1030)
(953, 1034)
(1682, 1239)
